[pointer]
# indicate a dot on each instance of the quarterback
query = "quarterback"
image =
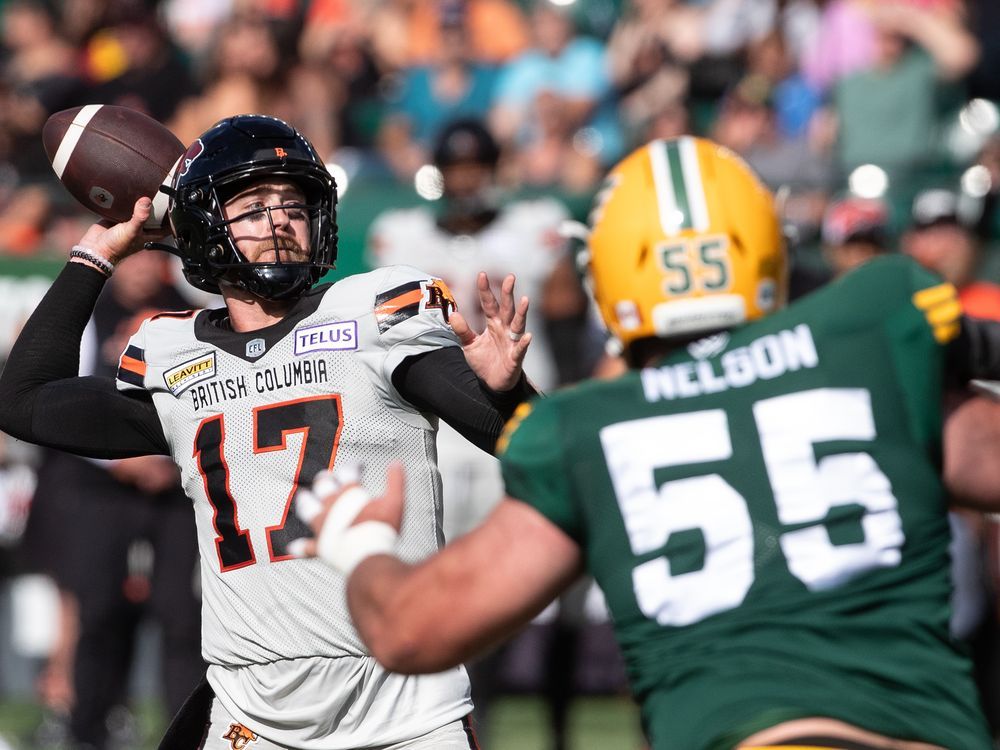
(759, 496)
(253, 399)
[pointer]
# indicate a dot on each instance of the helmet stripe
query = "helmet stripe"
(666, 200)
(695, 192)
(679, 185)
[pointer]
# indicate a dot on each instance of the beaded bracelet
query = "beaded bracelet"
(106, 266)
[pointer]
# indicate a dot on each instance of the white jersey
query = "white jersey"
(249, 418)
(523, 240)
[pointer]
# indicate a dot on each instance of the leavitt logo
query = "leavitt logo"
(187, 374)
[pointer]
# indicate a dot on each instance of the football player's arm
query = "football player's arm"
(43, 401)
(971, 434)
(441, 382)
(473, 594)
(971, 444)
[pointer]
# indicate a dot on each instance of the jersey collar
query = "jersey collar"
(213, 327)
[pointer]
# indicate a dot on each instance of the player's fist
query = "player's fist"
(115, 242)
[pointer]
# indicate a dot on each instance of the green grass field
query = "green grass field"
(516, 723)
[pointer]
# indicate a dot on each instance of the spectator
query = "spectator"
(647, 59)
(855, 230)
(39, 77)
(194, 25)
(148, 73)
(408, 33)
(984, 20)
(942, 237)
(844, 42)
(36, 53)
(249, 71)
(748, 124)
(336, 43)
(887, 112)
(558, 156)
(563, 72)
(430, 95)
(22, 220)
(795, 100)
(672, 121)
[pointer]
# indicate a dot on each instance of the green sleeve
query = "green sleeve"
(534, 464)
(897, 292)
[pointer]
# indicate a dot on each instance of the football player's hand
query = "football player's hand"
(347, 523)
(115, 242)
(497, 353)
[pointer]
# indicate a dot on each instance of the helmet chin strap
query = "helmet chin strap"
(277, 281)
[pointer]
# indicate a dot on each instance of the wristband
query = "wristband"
(103, 264)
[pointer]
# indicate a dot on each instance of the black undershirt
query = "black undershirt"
(44, 401)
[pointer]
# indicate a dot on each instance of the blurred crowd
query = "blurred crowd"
(821, 97)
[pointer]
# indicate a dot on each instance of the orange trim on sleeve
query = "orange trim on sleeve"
(133, 365)
(397, 303)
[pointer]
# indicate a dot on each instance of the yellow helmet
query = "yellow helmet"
(684, 239)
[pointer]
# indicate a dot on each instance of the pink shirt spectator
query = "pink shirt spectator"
(845, 44)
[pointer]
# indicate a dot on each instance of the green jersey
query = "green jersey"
(764, 513)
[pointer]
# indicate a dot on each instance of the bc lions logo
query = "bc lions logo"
(197, 149)
(239, 736)
(439, 296)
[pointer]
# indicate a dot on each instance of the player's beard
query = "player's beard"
(286, 250)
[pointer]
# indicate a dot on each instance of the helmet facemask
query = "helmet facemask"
(286, 276)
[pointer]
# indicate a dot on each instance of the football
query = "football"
(109, 156)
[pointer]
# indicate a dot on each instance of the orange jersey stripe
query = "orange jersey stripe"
(397, 303)
(133, 365)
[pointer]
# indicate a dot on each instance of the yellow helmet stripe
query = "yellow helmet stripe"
(695, 191)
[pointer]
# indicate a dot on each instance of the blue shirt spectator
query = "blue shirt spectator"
(573, 68)
(427, 108)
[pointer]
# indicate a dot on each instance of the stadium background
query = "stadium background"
(363, 79)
